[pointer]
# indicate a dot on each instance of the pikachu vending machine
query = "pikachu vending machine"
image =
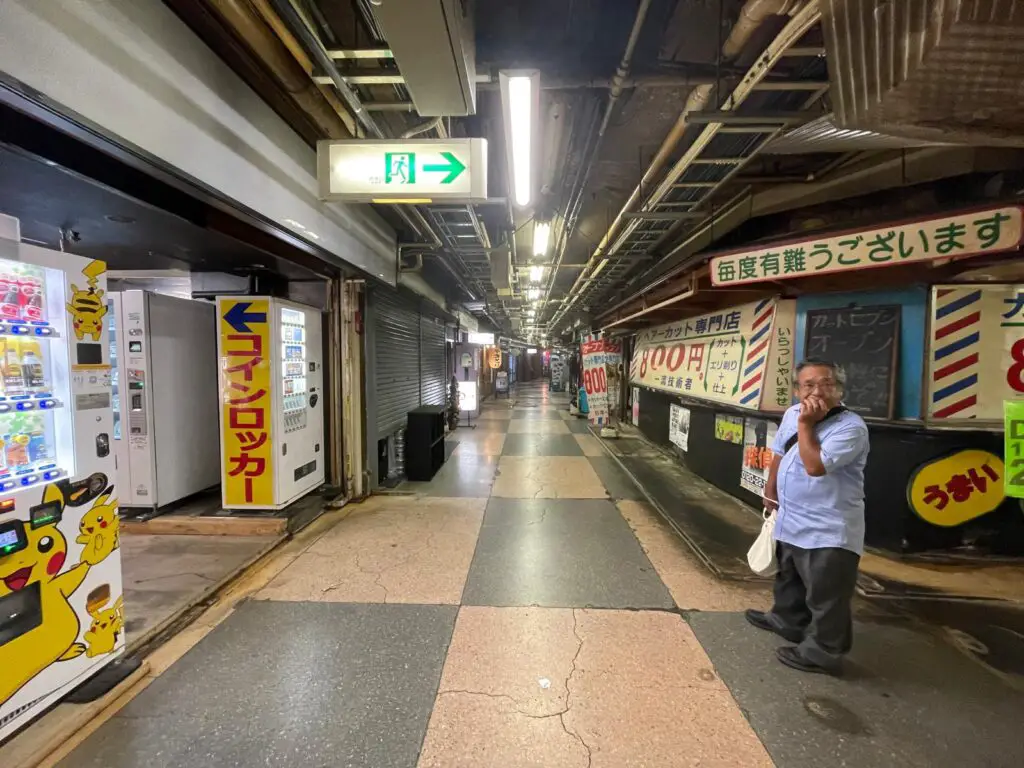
(61, 616)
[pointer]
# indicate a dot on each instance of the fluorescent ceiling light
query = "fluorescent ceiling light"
(541, 235)
(536, 274)
(533, 293)
(520, 117)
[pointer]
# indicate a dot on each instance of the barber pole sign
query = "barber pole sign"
(742, 356)
(976, 351)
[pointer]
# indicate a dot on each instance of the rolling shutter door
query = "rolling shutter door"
(432, 360)
(396, 359)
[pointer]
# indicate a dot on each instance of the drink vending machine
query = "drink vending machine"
(271, 401)
(61, 616)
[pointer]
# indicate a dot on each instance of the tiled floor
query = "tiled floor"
(527, 608)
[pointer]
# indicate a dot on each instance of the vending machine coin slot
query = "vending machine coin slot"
(138, 423)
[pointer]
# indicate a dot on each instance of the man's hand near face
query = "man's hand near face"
(812, 409)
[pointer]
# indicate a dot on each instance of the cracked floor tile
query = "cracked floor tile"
(547, 477)
(646, 694)
(596, 688)
(692, 586)
(389, 550)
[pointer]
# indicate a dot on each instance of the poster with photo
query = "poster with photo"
(679, 426)
(758, 435)
(729, 428)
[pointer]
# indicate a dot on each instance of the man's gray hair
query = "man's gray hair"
(813, 362)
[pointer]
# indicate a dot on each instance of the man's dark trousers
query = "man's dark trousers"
(813, 594)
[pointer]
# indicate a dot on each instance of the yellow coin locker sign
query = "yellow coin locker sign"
(246, 405)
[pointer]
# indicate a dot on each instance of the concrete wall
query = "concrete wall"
(135, 71)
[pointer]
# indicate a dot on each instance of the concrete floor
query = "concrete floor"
(525, 609)
(163, 575)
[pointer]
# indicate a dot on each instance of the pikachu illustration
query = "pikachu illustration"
(107, 623)
(39, 566)
(100, 529)
(87, 307)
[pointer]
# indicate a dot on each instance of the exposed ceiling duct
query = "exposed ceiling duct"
(940, 70)
(823, 135)
(433, 45)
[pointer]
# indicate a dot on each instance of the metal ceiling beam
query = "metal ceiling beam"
(803, 19)
(729, 117)
(360, 53)
(811, 51)
(791, 85)
(666, 216)
(389, 106)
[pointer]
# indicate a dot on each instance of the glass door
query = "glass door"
(293, 368)
(35, 431)
(115, 391)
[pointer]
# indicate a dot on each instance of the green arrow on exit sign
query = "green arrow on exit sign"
(454, 167)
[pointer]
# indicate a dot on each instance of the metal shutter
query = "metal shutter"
(433, 363)
(396, 342)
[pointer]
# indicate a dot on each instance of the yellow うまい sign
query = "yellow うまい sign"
(247, 471)
(955, 489)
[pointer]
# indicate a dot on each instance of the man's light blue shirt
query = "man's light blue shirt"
(827, 511)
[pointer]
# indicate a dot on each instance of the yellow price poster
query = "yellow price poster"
(952, 490)
(729, 429)
(246, 410)
(1013, 417)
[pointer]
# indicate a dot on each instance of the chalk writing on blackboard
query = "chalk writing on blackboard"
(864, 340)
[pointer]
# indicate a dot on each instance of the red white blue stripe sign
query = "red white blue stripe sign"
(975, 351)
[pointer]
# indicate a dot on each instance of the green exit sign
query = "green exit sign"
(416, 170)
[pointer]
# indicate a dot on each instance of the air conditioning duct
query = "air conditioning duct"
(928, 69)
(434, 47)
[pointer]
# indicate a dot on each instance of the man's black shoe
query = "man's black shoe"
(760, 620)
(791, 658)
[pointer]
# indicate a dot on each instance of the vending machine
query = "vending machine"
(61, 615)
(163, 353)
(271, 401)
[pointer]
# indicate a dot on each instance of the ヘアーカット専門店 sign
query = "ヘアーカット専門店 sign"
(958, 235)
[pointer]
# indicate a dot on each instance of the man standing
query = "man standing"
(816, 485)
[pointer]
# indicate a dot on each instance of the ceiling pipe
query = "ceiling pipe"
(751, 17)
(617, 86)
(429, 125)
(261, 40)
(312, 45)
(697, 100)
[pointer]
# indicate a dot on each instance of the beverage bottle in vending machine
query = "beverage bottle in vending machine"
(10, 308)
(30, 296)
(32, 367)
(38, 448)
(16, 450)
(14, 383)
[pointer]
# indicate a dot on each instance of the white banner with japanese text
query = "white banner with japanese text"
(742, 356)
(599, 358)
(954, 236)
(975, 351)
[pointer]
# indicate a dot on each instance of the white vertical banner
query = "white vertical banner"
(597, 357)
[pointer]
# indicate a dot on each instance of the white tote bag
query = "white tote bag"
(761, 555)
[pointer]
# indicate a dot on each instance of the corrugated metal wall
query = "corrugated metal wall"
(432, 360)
(410, 364)
(396, 342)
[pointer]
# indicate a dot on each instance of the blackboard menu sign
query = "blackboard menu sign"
(865, 342)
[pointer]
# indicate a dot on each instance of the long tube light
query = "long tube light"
(541, 236)
(521, 119)
(520, 101)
